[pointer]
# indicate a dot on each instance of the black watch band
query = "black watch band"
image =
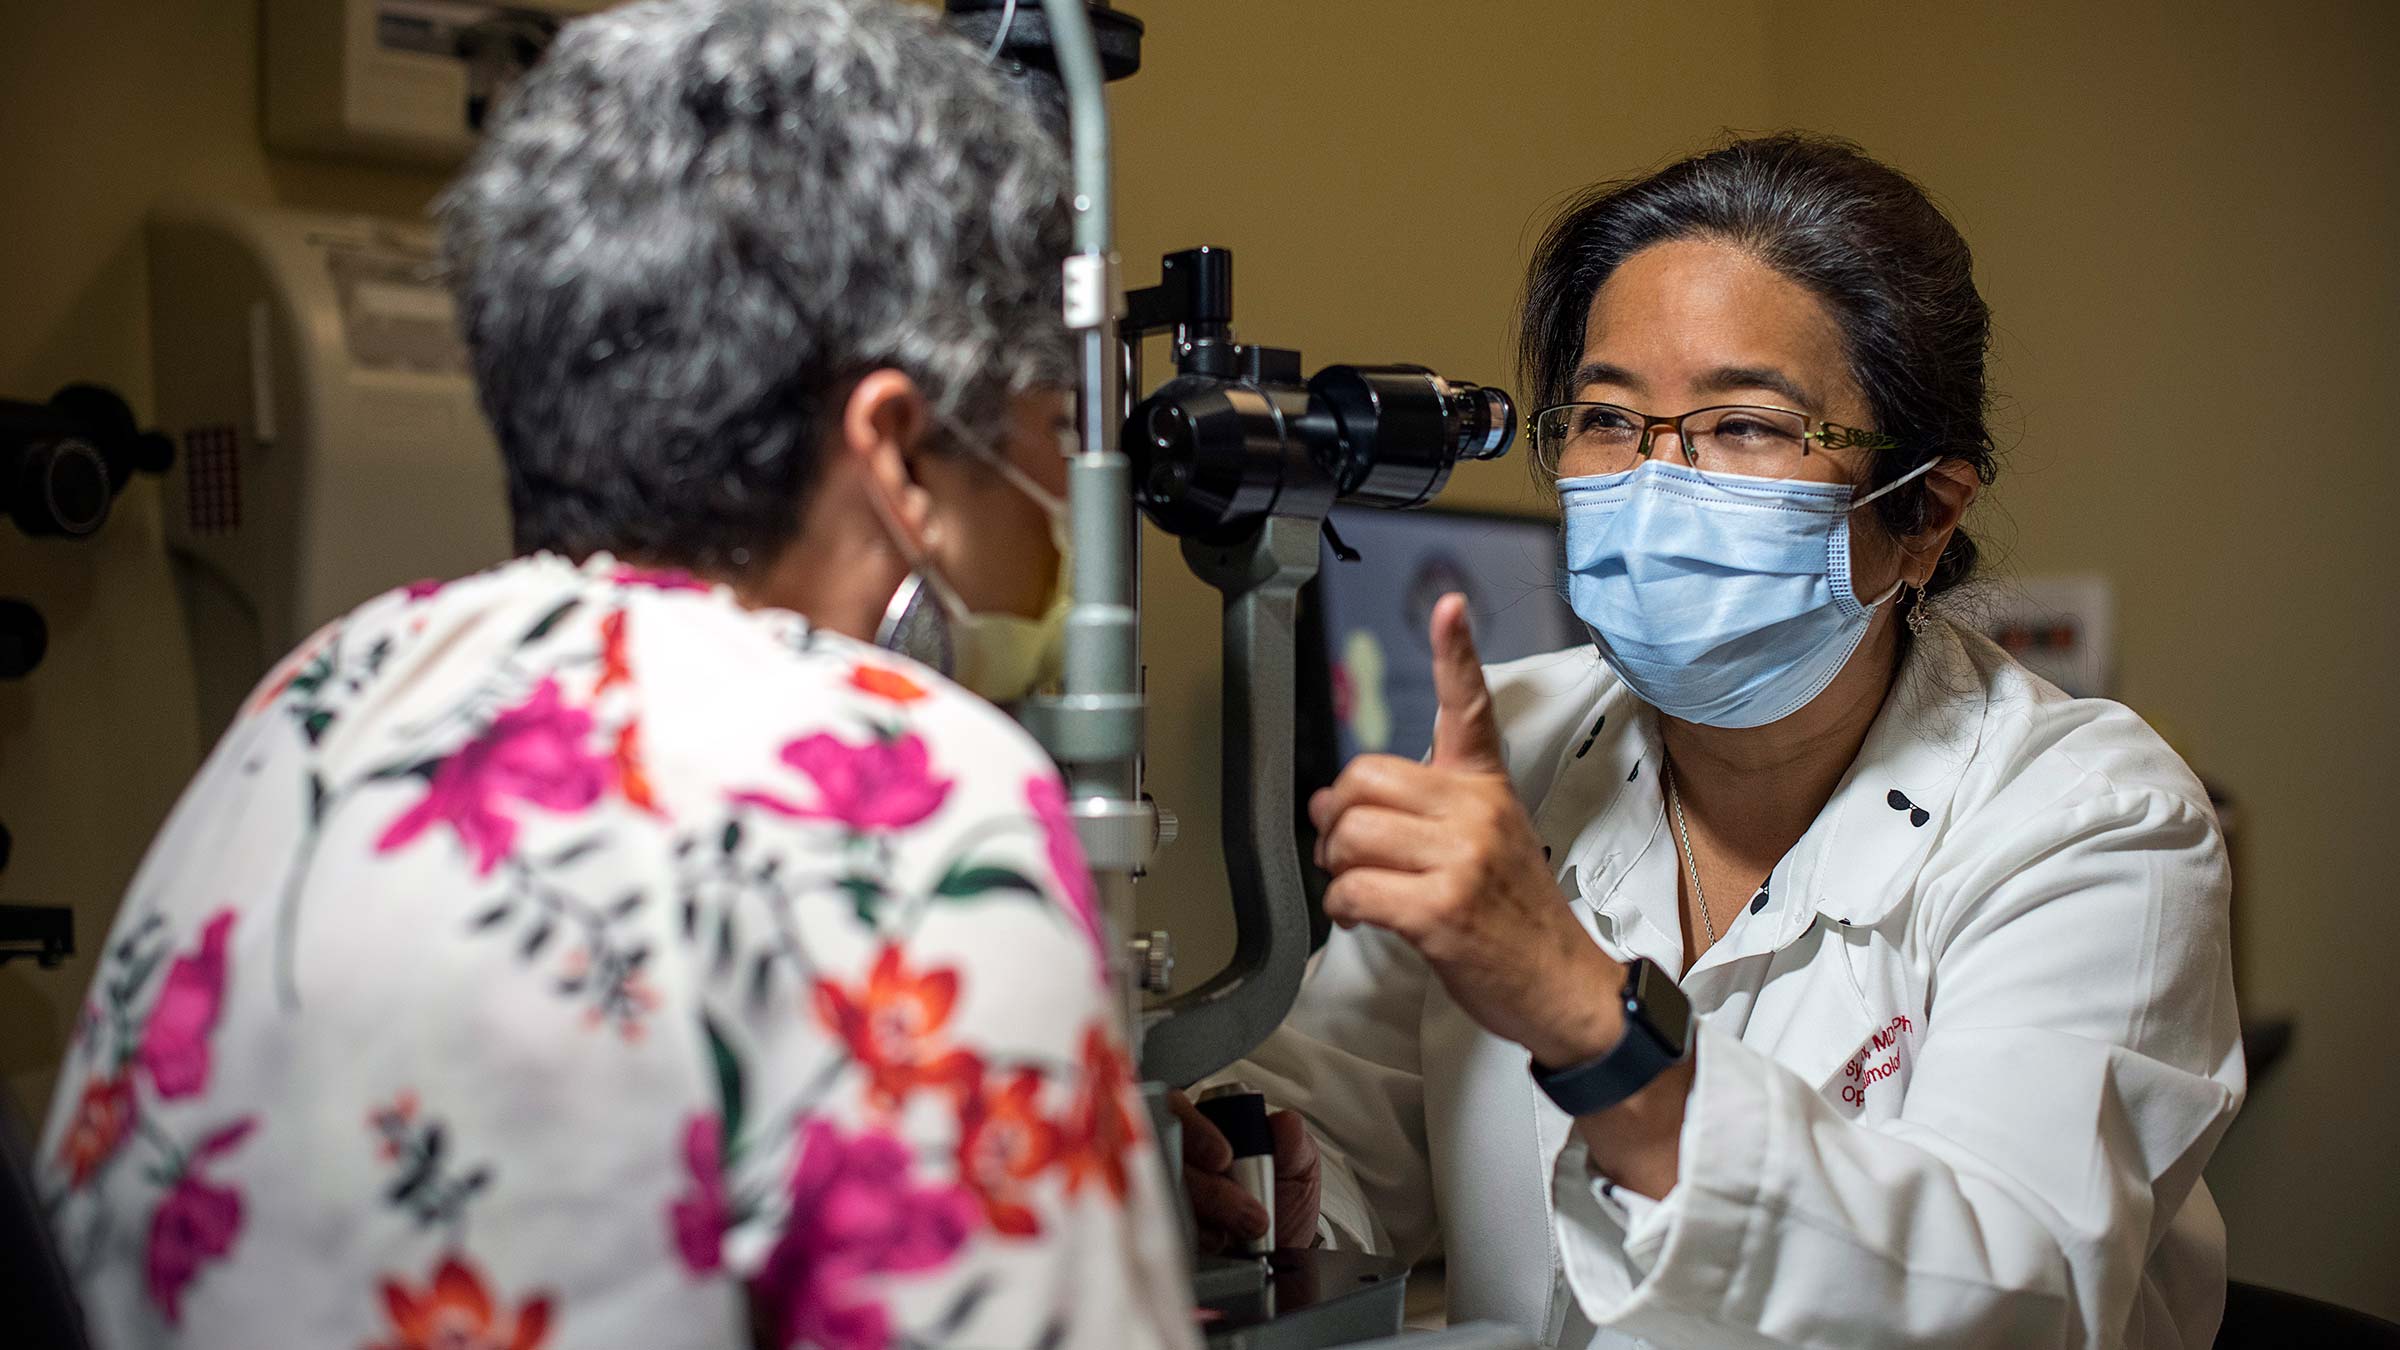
(1657, 1031)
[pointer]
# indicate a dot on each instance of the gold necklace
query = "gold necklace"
(1691, 860)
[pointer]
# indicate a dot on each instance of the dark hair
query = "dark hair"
(1860, 234)
(696, 224)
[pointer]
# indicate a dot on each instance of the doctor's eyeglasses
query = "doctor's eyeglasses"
(1572, 440)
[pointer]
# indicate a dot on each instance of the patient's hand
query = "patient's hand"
(1223, 1211)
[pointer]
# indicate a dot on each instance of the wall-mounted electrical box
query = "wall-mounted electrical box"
(406, 81)
(330, 444)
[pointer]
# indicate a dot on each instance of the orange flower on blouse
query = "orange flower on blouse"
(632, 778)
(891, 1027)
(886, 684)
(1100, 1131)
(1004, 1142)
(615, 669)
(102, 1120)
(455, 1312)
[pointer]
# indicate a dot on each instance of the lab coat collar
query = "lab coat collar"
(1861, 858)
(1603, 810)
(1855, 864)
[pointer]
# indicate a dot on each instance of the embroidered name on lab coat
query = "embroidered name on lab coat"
(1877, 1060)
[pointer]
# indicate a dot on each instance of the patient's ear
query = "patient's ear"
(882, 431)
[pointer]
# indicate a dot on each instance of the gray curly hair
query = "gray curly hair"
(697, 223)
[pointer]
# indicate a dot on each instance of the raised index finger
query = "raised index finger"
(1466, 734)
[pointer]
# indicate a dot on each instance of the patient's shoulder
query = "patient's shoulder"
(731, 685)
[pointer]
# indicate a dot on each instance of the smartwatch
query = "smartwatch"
(1658, 1023)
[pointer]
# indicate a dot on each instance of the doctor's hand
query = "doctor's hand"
(1443, 855)
(1223, 1211)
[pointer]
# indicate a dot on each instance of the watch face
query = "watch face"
(1663, 1006)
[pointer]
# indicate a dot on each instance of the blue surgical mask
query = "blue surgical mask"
(1719, 599)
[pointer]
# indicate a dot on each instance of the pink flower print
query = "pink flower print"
(1048, 798)
(532, 753)
(419, 591)
(856, 1214)
(880, 785)
(174, 1044)
(699, 1215)
(657, 579)
(195, 1223)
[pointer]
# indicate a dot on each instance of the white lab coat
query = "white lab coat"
(1958, 1073)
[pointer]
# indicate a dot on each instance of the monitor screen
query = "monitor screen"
(1371, 615)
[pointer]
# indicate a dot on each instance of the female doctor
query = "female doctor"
(1790, 966)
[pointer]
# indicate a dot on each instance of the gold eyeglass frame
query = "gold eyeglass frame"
(1827, 435)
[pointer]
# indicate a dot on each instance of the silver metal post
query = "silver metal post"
(1094, 726)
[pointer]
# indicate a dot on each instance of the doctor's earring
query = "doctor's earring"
(1919, 611)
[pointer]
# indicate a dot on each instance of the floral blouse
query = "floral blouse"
(568, 956)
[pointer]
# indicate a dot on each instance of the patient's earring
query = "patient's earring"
(1918, 612)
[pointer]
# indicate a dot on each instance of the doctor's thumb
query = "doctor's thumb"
(1466, 734)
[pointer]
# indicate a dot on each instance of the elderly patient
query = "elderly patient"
(613, 948)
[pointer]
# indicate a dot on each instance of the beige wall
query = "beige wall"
(2185, 221)
(2168, 210)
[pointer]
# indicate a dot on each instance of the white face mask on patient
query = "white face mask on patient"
(1001, 657)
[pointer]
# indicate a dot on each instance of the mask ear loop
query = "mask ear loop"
(1918, 472)
(1052, 505)
(924, 578)
(917, 620)
(1897, 585)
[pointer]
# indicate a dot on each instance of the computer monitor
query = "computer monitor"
(1365, 657)
(1371, 615)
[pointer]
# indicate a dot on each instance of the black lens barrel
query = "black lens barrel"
(1213, 453)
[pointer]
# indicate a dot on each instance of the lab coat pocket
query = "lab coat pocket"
(1834, 1035)
(1874, 1078)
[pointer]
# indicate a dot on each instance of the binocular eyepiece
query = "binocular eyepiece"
(1238, 435)
(1212, 454)
(1403, 428)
